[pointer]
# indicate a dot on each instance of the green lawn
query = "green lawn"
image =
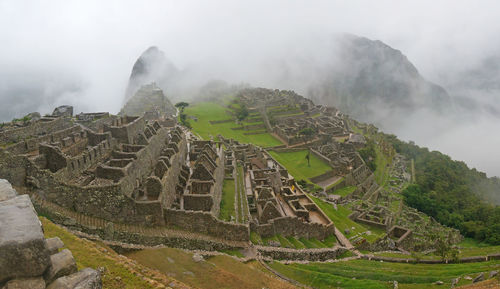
(242, 199)
(227, 201)
(383, 163)
(345, 191)
(210, 111)
(372, 274)
(470, 247)
(340, 219)
(296, 164)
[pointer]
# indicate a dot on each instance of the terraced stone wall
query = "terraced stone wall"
(206, 223)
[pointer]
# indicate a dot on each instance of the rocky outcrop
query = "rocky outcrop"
(63, 110)
(151, 66)
(149, 99)
(27, 259)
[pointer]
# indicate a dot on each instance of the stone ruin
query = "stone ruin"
(149, 102)
(277, 205)
(287, 113)
(27, 259)
(120, 170)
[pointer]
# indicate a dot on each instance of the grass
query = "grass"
(210, 111)
(371, 274)
(236, 253)
(309, 243)
(296, 243)
(242, 200)
(340, 219)
(213, 273)
(383, 163)
(345, 191)
(296, 164)
(470, 247)
(330, 241)
(90, 254)
(256, 239)
(285, 242)
(227, 201)
(334, 184)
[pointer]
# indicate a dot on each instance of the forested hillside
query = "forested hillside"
(452, 193)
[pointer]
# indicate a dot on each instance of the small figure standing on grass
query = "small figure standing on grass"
(308, 157)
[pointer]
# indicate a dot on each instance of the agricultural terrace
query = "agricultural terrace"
(201, 114)
(374, 275)
(341, 220)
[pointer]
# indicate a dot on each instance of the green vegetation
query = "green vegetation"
(452, 193)
(296, 243)
(340, 218)
(296, 164)
(210, 111)
(227, 202)
(242, 198)
(285, 242)
(242, 112)
(345, 191)
(447, 190)
(255, 238)
(369, 154)
(370, 274)
(236, 253)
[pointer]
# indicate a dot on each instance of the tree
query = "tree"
(181, 105)
(308, 157)
(242, 113)
(307, 133)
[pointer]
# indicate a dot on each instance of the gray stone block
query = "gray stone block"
(62, 264)
(23, 251)
(6, 190)
(84, 279)
(26, 283)
(54, 244)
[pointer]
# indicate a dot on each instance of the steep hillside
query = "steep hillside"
(367, 75)
(151, 66)
(149, 98)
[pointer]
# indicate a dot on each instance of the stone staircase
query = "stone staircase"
(93, 223)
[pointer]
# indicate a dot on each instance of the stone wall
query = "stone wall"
(128, 132)
(170, 178)
(294, 227)
(206, 223)
(313, 255)
(42, 126)
(322, 177)
(196, 202)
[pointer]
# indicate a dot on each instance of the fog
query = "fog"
(81, 53)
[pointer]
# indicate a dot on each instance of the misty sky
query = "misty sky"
(81, 52)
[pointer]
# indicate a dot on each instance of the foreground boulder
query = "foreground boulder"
(24, 283)
(54, 244)
(27, 260)
(84, 279)
(62, 264)
(6, 190)
(23, 251)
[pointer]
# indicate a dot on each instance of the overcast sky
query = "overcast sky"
(81, 52)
